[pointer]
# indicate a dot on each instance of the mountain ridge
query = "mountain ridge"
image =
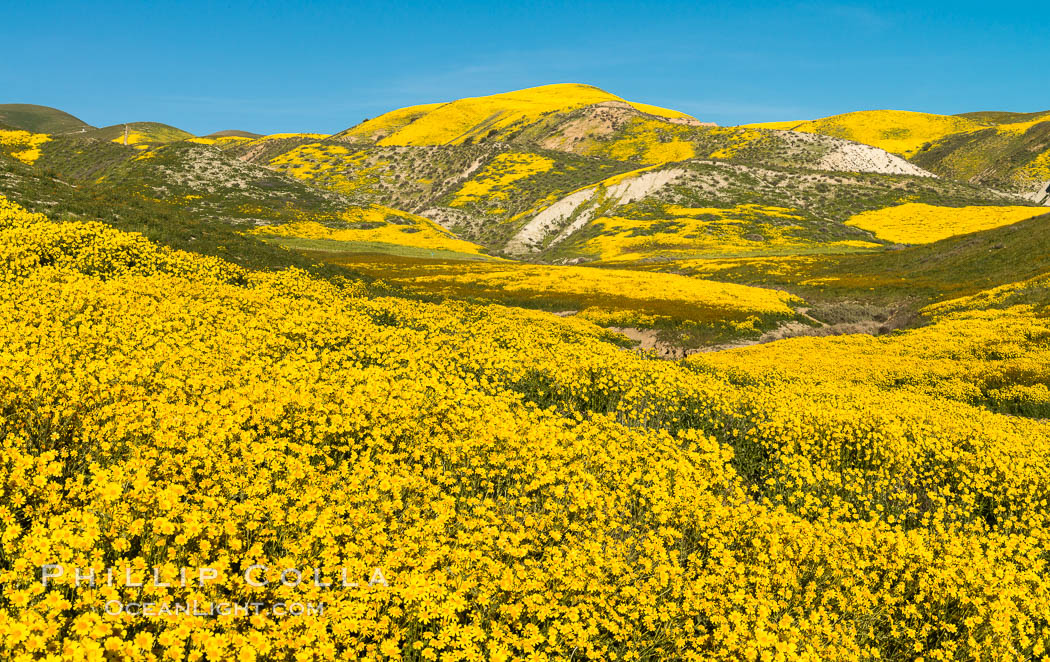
(556, 173)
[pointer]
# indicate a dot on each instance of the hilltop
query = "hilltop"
(140, 133)
(1011, 156)
(1005, 117)
(587, 121)
(497, 117)
(233, 133)
(40, 119)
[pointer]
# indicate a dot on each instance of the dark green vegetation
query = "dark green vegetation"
(78, 157)
(990, 157)
(39, 119)
(1002, 117)
(953, 267)
(199, 179)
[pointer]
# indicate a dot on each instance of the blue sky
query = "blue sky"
(324, 66)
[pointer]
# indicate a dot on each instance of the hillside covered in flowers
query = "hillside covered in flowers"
(541, 375)
(529, 489)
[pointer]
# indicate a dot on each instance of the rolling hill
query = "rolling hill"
(563, 173)
(714, 209)
(587, 121)
(497, 117)
(176, 226)
(200, 179)
(1005, 150)
(1012, 156)
(531, 177)
(1004, 117)
(40, 119)
(899, 282)
(896, 131)
(528, 201)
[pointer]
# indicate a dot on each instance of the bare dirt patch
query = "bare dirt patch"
(553, 219)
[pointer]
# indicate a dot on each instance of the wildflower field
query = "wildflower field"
(541, 375)
(916, 223)
(528, 489)
(897, 131)
(1002, 150)
(454, 122)
(23, 145)
(608, 297)
(373, 225)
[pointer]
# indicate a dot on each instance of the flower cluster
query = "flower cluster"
(377, 224)
(22, 145)
(917, 223)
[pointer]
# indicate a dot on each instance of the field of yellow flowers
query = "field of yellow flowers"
(898, 131)
(607, 297)
(376, 224)
(529, 490)
(917, 223)
(455, 122)
(23, 145)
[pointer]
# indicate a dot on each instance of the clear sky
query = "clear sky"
(324, 66)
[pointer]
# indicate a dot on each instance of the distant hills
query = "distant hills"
(39, 119)
(570, 173)
(587, 121)
(233, 133)
(141, 133)
(44, 119)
